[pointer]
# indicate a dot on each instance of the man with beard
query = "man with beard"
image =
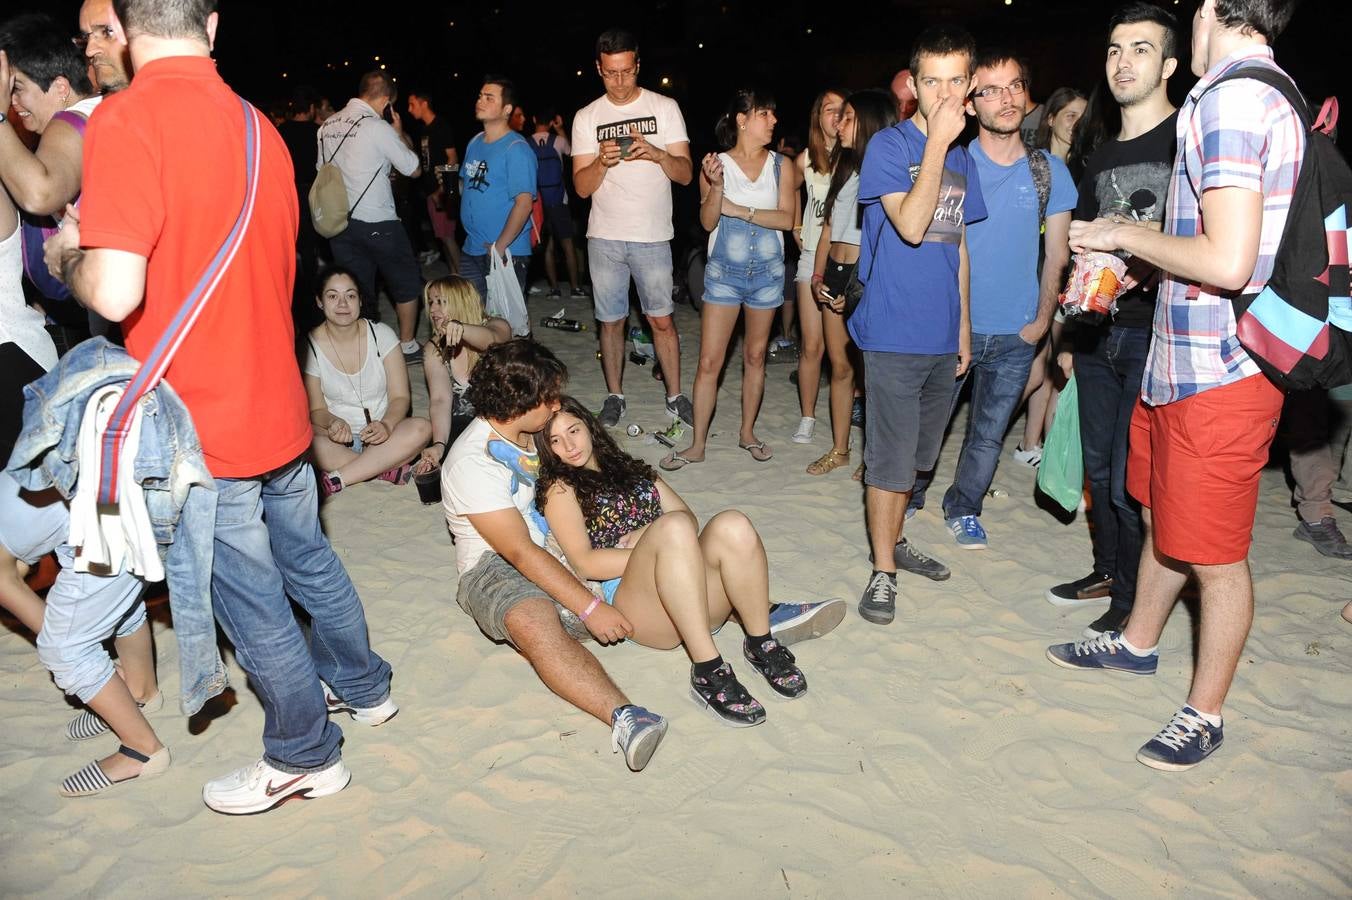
(1132, 172)
(1011, 304)
(108, 58)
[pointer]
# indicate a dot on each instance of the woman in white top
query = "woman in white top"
(815, 165)
(359, 396)
(747, 206)
(460, 332)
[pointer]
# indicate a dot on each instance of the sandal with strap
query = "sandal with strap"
(675, 462)
(759, 451)
(832, 459)
(93, 780)
(88, 724)
(776, 662)
(399, 475)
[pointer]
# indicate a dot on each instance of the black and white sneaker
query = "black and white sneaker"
(775, 661)
(1113, 620)
(909, 559)
(681, 407)
(879, 601)
(612, 410)
(1094, 586)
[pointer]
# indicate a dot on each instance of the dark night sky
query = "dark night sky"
(794, 47)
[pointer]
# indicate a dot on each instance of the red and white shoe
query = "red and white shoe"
(369, 715)
(259, 787)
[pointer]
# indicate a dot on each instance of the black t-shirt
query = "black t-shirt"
(1138, 171)
(436, 139)
(301, 144)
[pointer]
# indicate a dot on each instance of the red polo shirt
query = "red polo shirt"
(164, 179)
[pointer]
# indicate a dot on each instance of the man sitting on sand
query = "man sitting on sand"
(512, 587)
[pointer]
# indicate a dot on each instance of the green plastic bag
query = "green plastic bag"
(1060, 475)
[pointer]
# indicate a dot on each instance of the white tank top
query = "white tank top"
(762, 193)
(20, 323)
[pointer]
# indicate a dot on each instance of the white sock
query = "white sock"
(620, 396)
(1151, 651)
(409, 346)
(672, 398)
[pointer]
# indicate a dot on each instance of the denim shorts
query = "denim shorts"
(31, 525)
(490, 589)
(909, 398)
(613, 263)
(758, 285)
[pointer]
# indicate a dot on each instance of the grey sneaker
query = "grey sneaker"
(636, 732)
(611, 411)
(909, 559)
(1325, 537)
(682, 409)
(879, 601)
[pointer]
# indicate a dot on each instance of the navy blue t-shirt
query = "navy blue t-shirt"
(911, 302)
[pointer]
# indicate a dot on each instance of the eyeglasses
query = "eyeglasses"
(619, 74)
(1015, 89)
(101, 32)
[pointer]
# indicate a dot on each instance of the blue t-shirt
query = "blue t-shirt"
(491, 177)
(911, 302)
(1004, 247)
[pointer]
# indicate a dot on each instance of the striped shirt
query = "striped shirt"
(1242, 134)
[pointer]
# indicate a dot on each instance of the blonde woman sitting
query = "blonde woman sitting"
(460, 332)
(357, 383)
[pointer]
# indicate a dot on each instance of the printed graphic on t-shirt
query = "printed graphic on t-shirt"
(524, 468)
(1144, 185)
(646, 125)
(947, 225)
(476, 175)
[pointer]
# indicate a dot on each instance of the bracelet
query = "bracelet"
(818, 276)
(751, 214)
(434, 443)
(591, 607)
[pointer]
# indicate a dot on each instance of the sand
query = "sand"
(939, 756)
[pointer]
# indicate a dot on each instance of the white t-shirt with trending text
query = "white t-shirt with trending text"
(633, 202)
(483, 473)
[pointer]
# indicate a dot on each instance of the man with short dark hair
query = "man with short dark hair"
(150, 225)
(1207, 416)
(514, 589)
(108, 58)
(364, 147)
(629, 145)
(1127, 175)
(919, 190)
(497, 188)
(440, 182)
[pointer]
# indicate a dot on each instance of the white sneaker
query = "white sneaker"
(807, 426)
(259, 787)
(371, 715)
(1030, 458)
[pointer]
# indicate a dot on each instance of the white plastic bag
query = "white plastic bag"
(504, 294)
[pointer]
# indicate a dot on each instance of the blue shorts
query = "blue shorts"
(613, 263)
(608, 589)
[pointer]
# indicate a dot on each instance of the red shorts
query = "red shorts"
(443, 226)
(1195, 463)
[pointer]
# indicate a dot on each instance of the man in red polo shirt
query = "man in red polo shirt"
(165, 179)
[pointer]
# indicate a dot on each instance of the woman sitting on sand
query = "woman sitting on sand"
(623, 526)
(359, 395)
(460, 332)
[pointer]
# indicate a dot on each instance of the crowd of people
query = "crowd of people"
(929, 267)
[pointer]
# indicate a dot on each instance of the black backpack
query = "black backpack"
(1298, 328)
(549, 177)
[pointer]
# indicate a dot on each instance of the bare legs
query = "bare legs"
(565, 666)
(666, 344)
(811, 346)
(884, 510)
(15, 594)
(407, 440)
(569, 262)
(679, 584)
(716, 327)
(407, 313)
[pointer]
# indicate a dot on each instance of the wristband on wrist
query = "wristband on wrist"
(818, 276)
(591, 607)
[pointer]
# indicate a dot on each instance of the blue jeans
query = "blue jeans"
(999, 371)
(269, 546)
(474, 269)
(1109, 366)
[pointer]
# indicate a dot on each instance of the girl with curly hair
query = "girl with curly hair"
(619, 524)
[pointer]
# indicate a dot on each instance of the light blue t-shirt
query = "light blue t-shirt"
(1004, 247)
(491, 177)
(911, 302)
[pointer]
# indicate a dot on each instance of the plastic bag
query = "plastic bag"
(1060, 475)
(504, 294)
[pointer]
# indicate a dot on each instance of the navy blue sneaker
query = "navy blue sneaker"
(794, 622)
(1104, 652)
(967, 531)
(1183, 743)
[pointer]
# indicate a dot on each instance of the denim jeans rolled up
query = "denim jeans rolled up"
(998, 372)
(1109, 367)
(269, 545)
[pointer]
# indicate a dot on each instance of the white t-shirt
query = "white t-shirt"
(20, 323)
(365, 158)
(346, 395)
(483, 473)
(633, 202)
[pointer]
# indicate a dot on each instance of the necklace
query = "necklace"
(355, 385)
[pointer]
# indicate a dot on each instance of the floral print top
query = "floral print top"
(612, 516)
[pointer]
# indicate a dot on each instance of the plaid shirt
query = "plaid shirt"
(1243, 134)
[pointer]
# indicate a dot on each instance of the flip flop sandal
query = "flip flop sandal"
(92, 780)
(674, 462)
(758, 447)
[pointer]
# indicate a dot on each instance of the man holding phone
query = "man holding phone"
(629, 145)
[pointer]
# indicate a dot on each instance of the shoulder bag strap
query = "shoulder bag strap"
(154, 365)
(334, 154)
